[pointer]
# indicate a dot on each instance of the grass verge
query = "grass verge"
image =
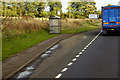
(80, 26)
(21, 34)
(17, 44)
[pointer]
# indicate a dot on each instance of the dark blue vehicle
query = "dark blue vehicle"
(110, 19)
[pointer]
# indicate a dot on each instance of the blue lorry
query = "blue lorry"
(110, 19)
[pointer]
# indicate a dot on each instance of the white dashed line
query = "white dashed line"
(78, 56)
(89, 44)
(64, 69)
(93, 40)
(80, 53)
(70, 64)
(58, 76)
(85, 48)
(82, 50)
(96, 37)
(74, 59)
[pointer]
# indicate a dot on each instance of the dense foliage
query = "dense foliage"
(37, 9)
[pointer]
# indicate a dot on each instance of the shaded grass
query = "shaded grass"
(17, 44)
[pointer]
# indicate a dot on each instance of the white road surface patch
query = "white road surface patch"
(65, 69)
(48, 52)
(70, 64)
(45, 55)
(78, 56)
(74, 59)
(58, 76)
(24, 74)
(30, 68)
(84, 37)
(54, 47)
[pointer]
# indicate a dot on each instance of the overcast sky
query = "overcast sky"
(99, 3)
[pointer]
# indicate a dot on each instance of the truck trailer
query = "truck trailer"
(110, 19)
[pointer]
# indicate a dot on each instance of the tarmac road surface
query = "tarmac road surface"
(85, 55)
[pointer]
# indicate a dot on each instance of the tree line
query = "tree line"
(37, 9)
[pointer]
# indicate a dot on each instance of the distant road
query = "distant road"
(84, 55)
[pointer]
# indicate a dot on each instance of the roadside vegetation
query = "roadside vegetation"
(22, 26)
(18, 35)
(80, 25)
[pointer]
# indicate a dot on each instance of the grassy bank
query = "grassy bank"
(76, 26)
(22, 42)
(19, 35)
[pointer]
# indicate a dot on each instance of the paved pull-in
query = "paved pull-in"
(84, 55)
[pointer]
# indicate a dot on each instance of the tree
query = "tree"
(40, 8)
(54, 8)
(109, 5)
(99, 13)
(81, 9)
(17, 9)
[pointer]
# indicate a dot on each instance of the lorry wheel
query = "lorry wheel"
(119, 33)
(105, 33)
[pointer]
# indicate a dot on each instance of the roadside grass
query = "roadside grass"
(18, 35)
(80, 26)
(17, 44)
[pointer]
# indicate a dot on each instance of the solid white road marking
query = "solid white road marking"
(74, 59)
(70, 64)
(77, 56)
(64, 69)
(58, 76)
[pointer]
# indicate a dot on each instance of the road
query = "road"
(85, 55)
